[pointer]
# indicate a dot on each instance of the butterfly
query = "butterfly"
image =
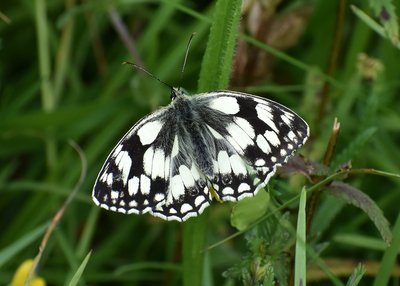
(222, 144)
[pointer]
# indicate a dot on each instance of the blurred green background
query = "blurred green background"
(61, 78)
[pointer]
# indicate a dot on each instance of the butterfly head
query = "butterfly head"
(177, 92)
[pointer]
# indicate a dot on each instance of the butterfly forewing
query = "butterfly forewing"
(224, 142)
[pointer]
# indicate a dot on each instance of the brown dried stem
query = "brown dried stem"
(59, 213)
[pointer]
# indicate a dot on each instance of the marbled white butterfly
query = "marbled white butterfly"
(222, 143)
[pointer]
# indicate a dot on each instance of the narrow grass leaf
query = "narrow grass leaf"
(359, 199)
(371, 23)
(385, 11)
(370, 243)
(300, 258)
(12, 250)
(356, 276)
(389, 258)
(194, 238)
(75, 279)
(147, 266)
(88, 232)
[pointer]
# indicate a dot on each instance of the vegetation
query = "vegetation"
(331, 216)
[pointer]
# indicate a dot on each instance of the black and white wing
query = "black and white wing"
(253, 136)
(168, 162)
(149, 171)
(128, 182)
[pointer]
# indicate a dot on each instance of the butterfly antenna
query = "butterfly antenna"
(148, 73)
(186, 55)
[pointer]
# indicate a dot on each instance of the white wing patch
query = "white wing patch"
(239, 135)
(265, 115)
(245, 126)
(187, 177)
(224, 165)
(158, 169)
(144, 184)
(133, 186)
(272, 138)
(148, 132)
(238, 166)
(263, 144)
(175, 147)
(148, 160)
(225, 104)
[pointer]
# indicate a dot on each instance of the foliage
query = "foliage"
(61, 78)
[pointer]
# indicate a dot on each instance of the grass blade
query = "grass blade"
(217, 62)
(12, 250)
(75, 279)
(215, 72)
(389, 258)
(300, 259)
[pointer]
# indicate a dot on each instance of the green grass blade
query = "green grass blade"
(389, 257)
(300, 259)
(75, 279)
(373, 24)
(12, 250)
(215, 72)
(217, 62)
(145, 265)
(386, 12)
(194, 238)
(88, 232)
(356, 276)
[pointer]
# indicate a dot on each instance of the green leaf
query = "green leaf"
(248, 210)
(357, 198)
(385, 11)
(356, 276)
(393, 36)
(75, 279)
